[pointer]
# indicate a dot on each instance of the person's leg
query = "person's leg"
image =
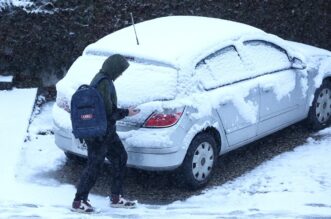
(118, 158)
(96, 155)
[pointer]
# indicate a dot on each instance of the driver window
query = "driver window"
(266, 57)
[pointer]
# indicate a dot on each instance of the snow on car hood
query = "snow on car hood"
(316, 58)
(140, 83)
(308, 50)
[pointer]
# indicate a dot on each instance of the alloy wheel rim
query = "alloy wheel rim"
(203, 160)
(323, 105)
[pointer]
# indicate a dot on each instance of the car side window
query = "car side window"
(266, 57)
(222, 67)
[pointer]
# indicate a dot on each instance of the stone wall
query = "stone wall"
(39, 47)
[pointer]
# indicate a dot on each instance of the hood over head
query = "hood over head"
(114, 66)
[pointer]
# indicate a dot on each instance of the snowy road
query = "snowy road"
(295, 184)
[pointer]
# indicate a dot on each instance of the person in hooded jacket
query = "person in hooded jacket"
(109, 146)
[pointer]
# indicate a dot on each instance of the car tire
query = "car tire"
(74, 158)
(199, 163)
(319, 115)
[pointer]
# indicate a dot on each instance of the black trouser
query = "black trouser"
(112, 148)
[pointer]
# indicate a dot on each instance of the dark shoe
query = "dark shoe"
(82, 206)
(118, 201)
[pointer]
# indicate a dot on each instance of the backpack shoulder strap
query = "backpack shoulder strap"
(97, 82)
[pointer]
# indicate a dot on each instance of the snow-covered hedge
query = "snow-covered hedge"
(39, 47)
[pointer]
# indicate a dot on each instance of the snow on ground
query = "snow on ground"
(295, 184)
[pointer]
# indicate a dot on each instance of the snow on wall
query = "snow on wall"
(15, 3)
(13, 129)
(6, 78)
(27, 6)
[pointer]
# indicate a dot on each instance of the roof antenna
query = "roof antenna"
(134, 28)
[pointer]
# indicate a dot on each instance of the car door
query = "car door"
(280, 86)
(224, 75)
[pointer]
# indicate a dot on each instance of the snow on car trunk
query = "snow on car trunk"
(145, 86)
(143, 82)
(140, 83)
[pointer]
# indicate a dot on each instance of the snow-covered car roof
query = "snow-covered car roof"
(171, 40)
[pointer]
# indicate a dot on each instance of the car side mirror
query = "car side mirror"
(298, 64)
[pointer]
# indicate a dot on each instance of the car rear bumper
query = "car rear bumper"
(147, 158)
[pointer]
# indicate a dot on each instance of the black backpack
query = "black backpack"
(88, 112)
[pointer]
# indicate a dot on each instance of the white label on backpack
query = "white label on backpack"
(86, 116)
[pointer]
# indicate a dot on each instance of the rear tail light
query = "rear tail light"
(63, 103)
(164, 119)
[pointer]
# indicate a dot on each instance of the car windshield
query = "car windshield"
(146, 81)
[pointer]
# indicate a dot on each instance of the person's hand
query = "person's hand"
(133, 111)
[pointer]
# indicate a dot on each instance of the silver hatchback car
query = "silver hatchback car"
(205, 86)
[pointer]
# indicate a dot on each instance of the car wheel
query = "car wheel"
(320, 112)
(199, 162)
(74, 157)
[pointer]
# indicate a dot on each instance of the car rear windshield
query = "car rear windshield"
(146, 81)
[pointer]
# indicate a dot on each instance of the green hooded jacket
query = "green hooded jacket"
(112, 68)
